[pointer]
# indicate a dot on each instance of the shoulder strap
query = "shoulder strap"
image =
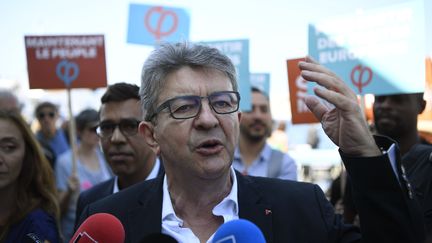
(275, 163)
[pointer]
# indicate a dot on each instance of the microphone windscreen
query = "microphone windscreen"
(159, 238)
(238, 231)
(100, 227)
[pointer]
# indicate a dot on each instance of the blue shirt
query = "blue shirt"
(259, 166)
(37, 225)
(58, 143)
(87, 177)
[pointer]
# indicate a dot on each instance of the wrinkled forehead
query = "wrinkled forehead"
(259, 98)
(8, 129)
(194, 81)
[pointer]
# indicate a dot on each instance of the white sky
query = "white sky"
(276, 29)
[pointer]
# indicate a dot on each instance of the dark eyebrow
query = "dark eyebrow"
(118, 121)
(9, 139)
(106, 122)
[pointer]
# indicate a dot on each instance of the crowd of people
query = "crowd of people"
(177, 157)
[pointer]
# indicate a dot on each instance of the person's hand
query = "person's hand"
(73, 189)
(73, 184)
(344, 123)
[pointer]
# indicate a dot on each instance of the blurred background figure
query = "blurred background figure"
(254, 156)
(337, 190)
(396, 116)
(313, 138)
(28, 205)
(53, 139)
(9, 101)
(91, 169)
(279, 137)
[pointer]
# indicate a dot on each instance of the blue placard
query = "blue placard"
(238, 52)
(153, 24)
(379, 51)
(261, 81)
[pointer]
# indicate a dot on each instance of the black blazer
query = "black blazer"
(299, 212)
(98, 192)
(418, 165)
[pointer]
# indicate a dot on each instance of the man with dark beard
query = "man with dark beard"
(254, 156)
(395, 116)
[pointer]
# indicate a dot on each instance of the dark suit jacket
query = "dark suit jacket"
(93, 194)
(418, 165)
(98, 192)
(299, 211)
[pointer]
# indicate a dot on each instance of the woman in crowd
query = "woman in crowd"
(91, 169)
(28, 206)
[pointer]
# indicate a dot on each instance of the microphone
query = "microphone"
(100, 227)
(32, 238)
(159, 238)
(238, 231)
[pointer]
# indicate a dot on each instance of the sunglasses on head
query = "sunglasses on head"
(42, 115)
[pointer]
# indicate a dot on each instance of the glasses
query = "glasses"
(185, 107)
(42, 115)
(92, 129)
(128, 127)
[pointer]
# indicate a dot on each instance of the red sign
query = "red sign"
(58, 62)
(298, 90)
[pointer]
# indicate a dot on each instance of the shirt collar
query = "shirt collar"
(153, 174)
(227, 208)
(237, 155)
(263, 156)
(116, 187)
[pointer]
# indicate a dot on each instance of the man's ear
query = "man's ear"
(146, 129)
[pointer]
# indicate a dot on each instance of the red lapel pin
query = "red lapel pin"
(268, 212)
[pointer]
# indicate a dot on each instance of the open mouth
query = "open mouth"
(210, 144)
(210, 147)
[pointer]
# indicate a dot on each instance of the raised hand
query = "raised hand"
(344, 123)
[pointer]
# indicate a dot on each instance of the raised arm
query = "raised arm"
(387, 211)
(343, 123)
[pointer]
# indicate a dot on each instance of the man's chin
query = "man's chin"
(388, 131)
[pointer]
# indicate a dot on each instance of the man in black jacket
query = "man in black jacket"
(192, 122)
(124, 148)
(395, 116)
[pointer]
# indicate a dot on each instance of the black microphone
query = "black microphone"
(158, 238)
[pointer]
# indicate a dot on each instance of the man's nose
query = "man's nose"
(385, 102)
(117, 135)
(206, 116)
(257, 113)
